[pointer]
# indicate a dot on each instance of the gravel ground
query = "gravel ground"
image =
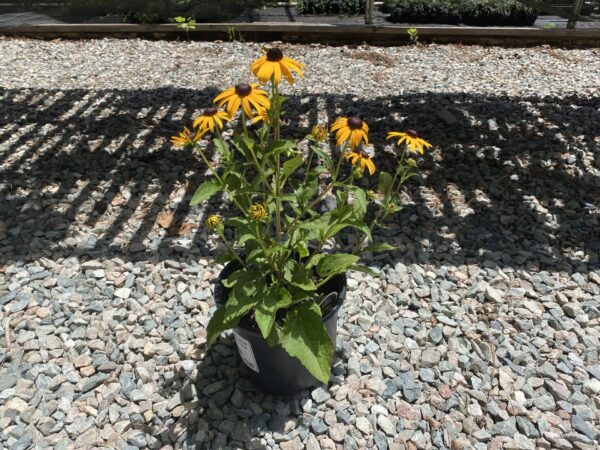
(482, 332)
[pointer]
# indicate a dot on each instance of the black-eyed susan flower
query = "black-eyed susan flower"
(249, 96)
(413, 142)
(213, 222)
(210, 119)
(261, 116)
(274, 64)
(318, 133)
(186, 138)
(257, 212)
(361, 160)
(354, 130)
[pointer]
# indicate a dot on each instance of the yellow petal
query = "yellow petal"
(276, 73)
(223, 95)
(265, 72)
(233, 105)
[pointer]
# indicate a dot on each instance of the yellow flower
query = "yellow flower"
(362, 161)
(210, 119)
(351, 129)
(413, 142)
(213, 222)
(273, 65)
(318, 133)
(257, 212)
(248, 96)
(186, 138)
(262, 116)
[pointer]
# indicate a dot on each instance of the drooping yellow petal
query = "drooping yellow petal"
(256, 65)
(276, 73)
(370, 166)
(246, 107)
(265, 72)
(339, 123)
(286, 73)
(225, 94)
(233, 105)
(342, 136)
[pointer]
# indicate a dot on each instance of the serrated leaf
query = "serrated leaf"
(273, 338)
(291, 165)
(218, 323)
(359, 205)
(365, 269)
(205, 191)
(336, 263)
(222, 148)
(385, 183)
(273, 300)
(324, 156)
(378, 247)
(305, 337)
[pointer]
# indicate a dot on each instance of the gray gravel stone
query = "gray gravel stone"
(480, 332)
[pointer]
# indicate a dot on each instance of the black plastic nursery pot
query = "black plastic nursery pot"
(272, 369)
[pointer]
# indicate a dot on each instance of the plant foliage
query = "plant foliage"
(343, 7)
(278, 188)
(470, 12)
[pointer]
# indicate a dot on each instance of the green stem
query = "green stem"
(219, 179)
(276, 136)
(232, 252)
(261, 241)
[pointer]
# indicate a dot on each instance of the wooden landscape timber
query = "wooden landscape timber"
(317, 33)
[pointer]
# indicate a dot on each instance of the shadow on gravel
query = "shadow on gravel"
(513, 183)
(223, 407)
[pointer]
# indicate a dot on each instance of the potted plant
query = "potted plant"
(284, 282)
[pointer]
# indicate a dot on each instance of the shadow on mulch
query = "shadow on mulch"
(496, 154)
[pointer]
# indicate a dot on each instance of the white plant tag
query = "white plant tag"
(245, 349)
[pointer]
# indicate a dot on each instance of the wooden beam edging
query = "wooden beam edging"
(317, 33)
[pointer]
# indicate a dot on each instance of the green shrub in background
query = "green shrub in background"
(497, 13)
(155, 11)
(423, 11)
(345, 7)
(470, 12)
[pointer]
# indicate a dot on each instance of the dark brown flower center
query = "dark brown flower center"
(355, 123)
(210, 111)
(274, 54)
(412, 133)
(243, 89)
(364, 155)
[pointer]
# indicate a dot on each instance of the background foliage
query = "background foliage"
(154, 11)
(470, 12)
(348, 7)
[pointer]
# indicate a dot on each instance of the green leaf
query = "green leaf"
(273, 338)
(298, 276)
(291, 165)
(378, 247)
(222, 259)
(385, 183)
(336, 263)
(278, 147)
(304, 337)
(302, 249)
(219, 322)
(239, 304)
(365, 269)
(274, 299)
(205, 191)
(222, 148)
(359, 206)
(324, 156)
